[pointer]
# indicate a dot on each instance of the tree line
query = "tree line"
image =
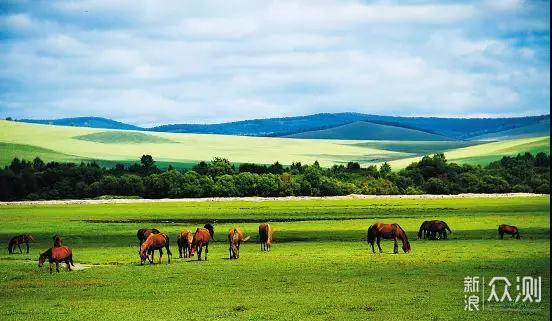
(36, 180)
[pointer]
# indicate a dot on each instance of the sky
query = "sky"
(157, 62)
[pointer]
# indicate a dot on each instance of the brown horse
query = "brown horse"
(235, 238)
(265, 236)
(424, 232)
(508, 229)
(57, 255)
(388, 231)
(184, 241)
(155, 241)
(202, 236)
(58, 240)
(143, 234)
(438, 227)
(18, 240)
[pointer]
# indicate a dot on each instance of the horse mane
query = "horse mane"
(404, 236)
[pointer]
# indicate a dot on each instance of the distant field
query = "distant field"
(320, 266)
(57, 143)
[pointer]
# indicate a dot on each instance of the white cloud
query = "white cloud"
(150, 62)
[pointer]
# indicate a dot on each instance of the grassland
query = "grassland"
(320, 267)
(57, 143)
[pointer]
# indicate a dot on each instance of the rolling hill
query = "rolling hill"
(62, 143)
(540, 128)
(364, 130)
(453, 128)
(93, 122)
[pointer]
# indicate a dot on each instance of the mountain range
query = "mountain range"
(351, 126)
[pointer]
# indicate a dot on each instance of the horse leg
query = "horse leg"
(160, 254)
(372, 245)
(19, 246)
(180, 249)
(68, 265)
(501, 235)
(444, 235)
(230, 252)
(238, 254)
(50, 267)
(378, 240)
(57, 267)
(27, 243)
(395, 246)
(206, 250)
(199, 253)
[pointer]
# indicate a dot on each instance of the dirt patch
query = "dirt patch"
(263, 199)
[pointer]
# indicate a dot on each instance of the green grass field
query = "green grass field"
(58, 143)
(320, 267)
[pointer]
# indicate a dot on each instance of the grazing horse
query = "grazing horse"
(56, 255)
(58, 240)
(211, 230)
(235, 238)
(424, 230)
(184, 241)
(201, 238)
(143, 234)
(155, 241)
(508, 229)
(438, 227)
(18, 240)
(265, 236)
(388, 231)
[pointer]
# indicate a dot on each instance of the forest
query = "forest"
(37, 180)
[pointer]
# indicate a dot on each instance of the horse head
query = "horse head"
(42, 259)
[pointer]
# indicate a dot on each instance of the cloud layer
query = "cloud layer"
(153, 62)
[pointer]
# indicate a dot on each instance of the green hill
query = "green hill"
(362, 130)
(108, 147)
(541, 128)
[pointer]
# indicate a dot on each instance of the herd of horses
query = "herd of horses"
(151, 239)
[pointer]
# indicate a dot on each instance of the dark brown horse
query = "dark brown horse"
(143, 234)
(155, 241)
(211, 230)
(58, 240)
(18, 240)
(235, 238)
(57, 255)
(508, 229)
(184, 241)
(202, 236)
(430, 230)
(265, 236)
(395, 232)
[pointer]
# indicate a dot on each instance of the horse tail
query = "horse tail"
(422, 228)
(167, 245)
(71, 259)
(370, 236)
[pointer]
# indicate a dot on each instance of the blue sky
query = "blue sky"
(155, 62)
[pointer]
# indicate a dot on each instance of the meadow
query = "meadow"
(320, 266)
(58, 143)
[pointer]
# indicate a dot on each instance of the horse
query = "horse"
(235, 238)
(56, 255)
(155, 241)
(424, 230)
(143, 234)
(184, 241)
(18, 240)
(58, 240)
(438, 227)
(508, 229)
(201, 238)
(265, 236)
(211, 230)
(394, 231)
